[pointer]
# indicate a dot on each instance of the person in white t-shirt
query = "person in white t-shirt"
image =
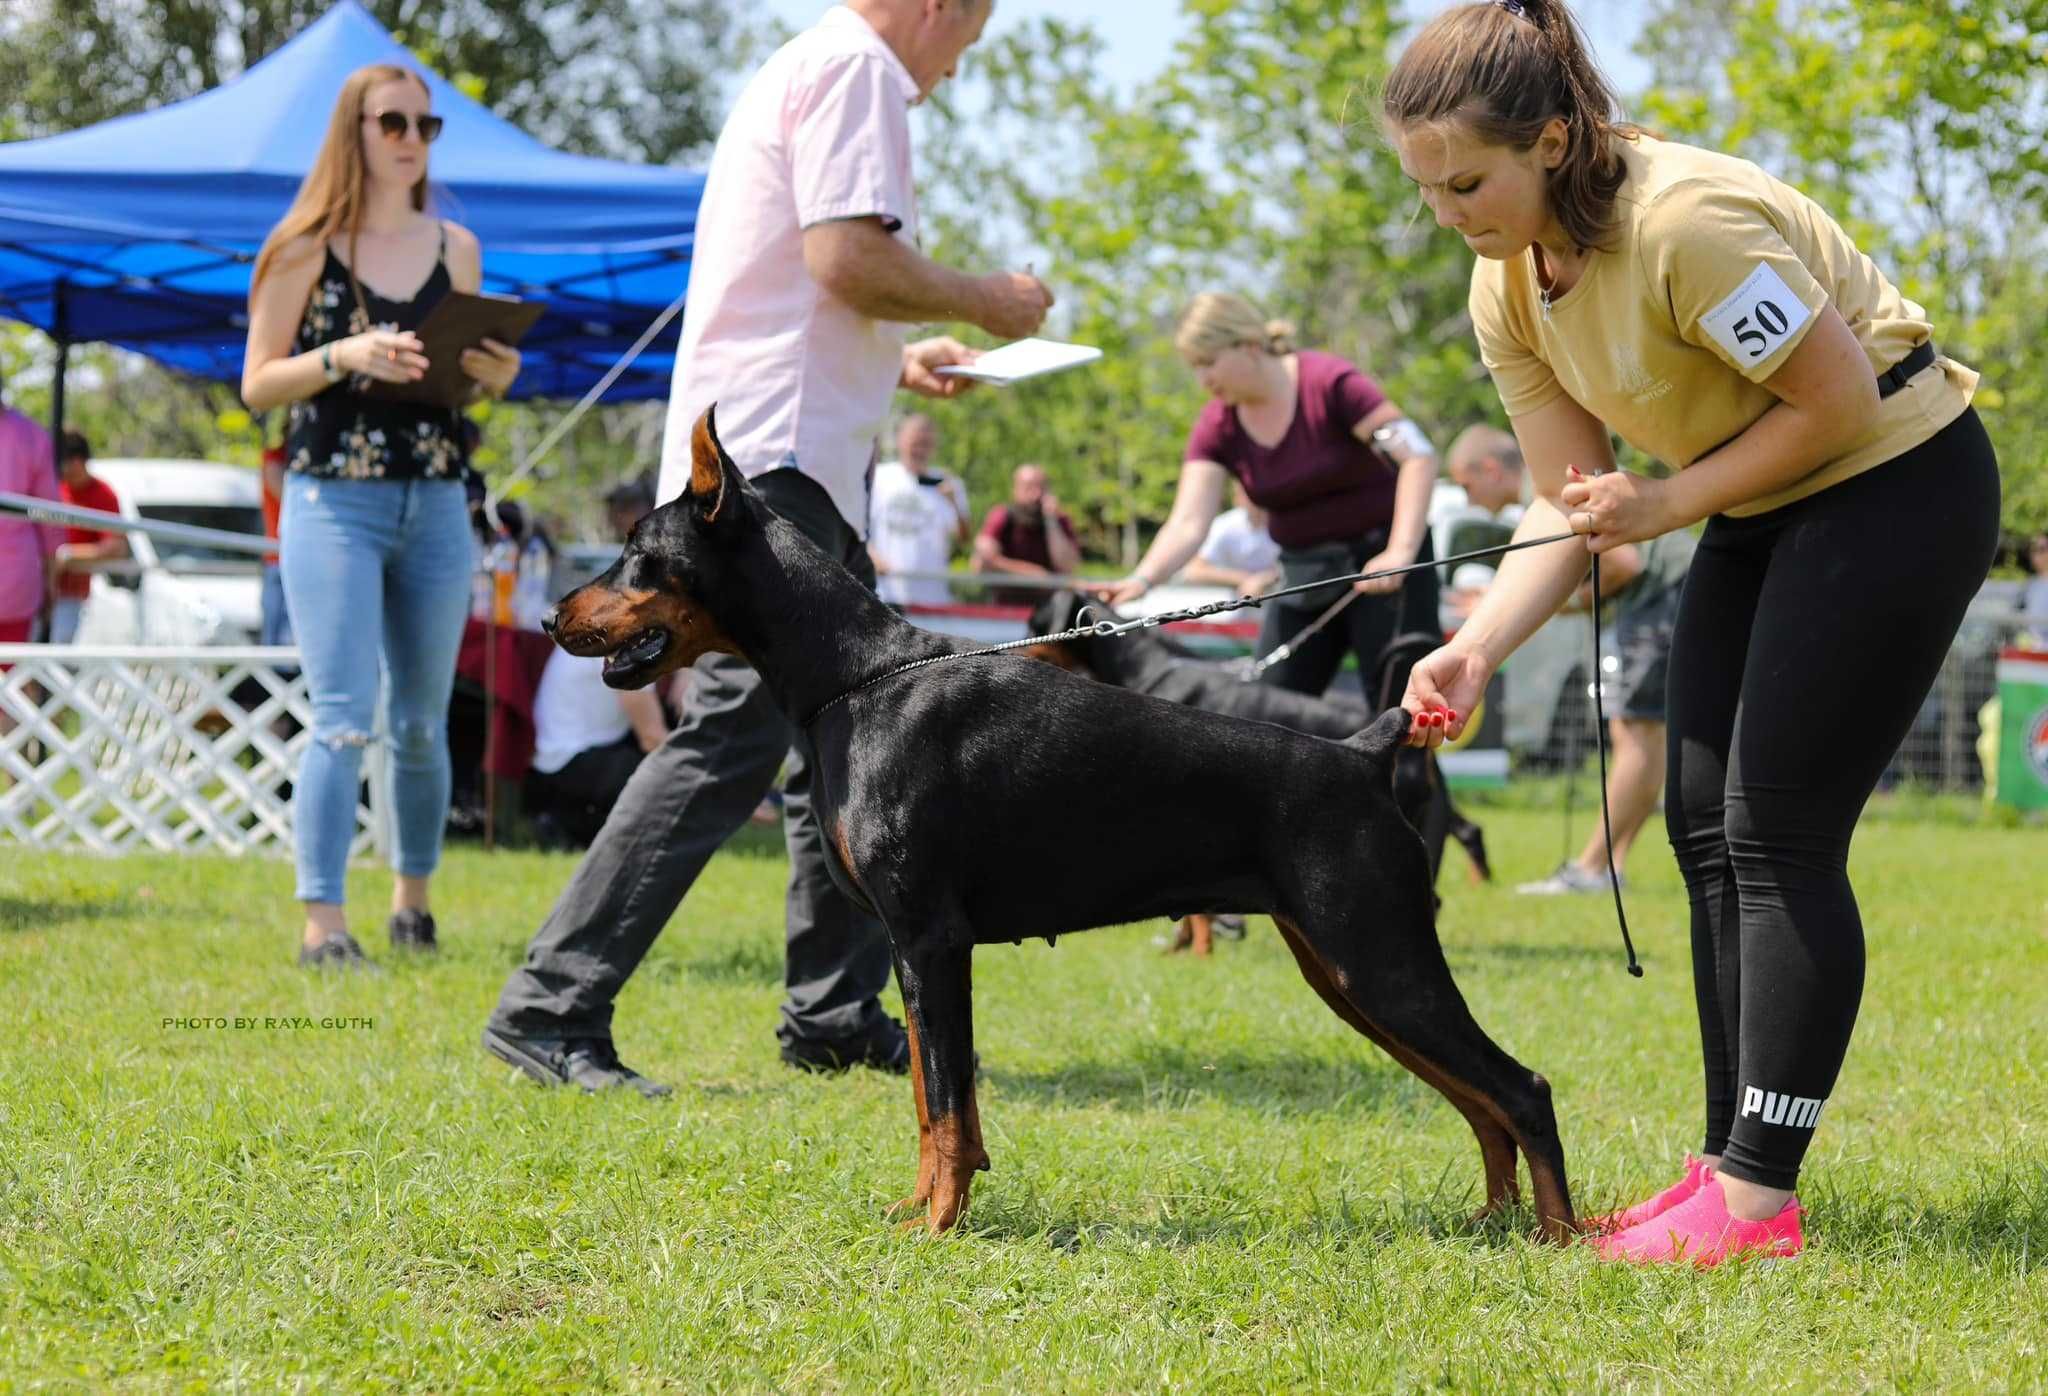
(587, 742)
(1238, 553)
(916, 514)
(804, 284)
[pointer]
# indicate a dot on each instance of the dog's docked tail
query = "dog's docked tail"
(1383, 738)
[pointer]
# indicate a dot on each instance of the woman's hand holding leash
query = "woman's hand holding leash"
(1129, 589)
(1384, 586)
(1615, 507)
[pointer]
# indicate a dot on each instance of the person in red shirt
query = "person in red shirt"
(1030, 536)
(81, 546)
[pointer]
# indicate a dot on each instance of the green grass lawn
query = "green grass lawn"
(1202, 1180)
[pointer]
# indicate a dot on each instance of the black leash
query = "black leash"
(1600, 741)
(1110, 630)
(1252, 671)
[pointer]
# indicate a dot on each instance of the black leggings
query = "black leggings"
(1807, 639)
(1364, 627)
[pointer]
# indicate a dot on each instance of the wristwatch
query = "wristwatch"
(327, 364)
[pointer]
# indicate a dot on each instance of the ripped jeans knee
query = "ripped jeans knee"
(344, 739)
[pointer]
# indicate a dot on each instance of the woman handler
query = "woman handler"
(1724, 323)
(1344, 477)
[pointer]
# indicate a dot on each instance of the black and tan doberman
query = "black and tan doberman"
(951, 792)
(1147, 661)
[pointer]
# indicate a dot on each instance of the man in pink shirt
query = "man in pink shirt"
(805, 278)
(27, 466)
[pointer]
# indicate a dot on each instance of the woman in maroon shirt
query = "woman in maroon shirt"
(1343, 474)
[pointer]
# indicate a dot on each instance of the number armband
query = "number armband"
(1758, 319)
(1402, 440)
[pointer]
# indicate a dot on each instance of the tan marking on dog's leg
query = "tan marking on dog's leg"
(956, 1140)
(1202, 932)
(1496, 1140)
(927, 1159)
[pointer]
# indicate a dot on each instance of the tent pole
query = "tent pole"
(63, 337)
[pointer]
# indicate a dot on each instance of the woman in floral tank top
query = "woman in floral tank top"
(374, 544)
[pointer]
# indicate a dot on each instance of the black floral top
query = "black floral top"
(340, 433)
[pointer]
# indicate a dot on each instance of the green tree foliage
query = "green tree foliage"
(633, 79)
(1925, 129)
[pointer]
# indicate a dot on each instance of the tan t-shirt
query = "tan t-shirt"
(1717, 271)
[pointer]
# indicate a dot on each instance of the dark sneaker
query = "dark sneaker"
(413, 930)
(338, 951)
(589, 1062)
(883, 1045)
(1227, 925)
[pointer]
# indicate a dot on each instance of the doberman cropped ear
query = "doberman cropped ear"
(1385, 736)
(711, 470)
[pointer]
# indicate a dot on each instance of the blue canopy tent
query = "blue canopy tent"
(141, 231)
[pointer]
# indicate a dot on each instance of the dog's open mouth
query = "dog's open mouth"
(624, 667)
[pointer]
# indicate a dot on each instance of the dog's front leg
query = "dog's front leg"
(938, 1001)
(927, 1160)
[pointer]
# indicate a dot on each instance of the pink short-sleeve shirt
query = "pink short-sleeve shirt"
(26, 467)
(801, 379)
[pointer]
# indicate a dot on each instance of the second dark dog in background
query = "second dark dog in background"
(1145, 661)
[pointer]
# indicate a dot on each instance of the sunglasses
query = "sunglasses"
(395, 123)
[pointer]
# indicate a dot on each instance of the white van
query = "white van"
(170, 603)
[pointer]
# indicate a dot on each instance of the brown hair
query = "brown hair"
(1502, 71)
(1217, 320)
(330, 201)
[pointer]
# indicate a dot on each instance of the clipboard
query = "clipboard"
(459, 320)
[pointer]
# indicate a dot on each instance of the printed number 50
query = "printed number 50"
(1773, 321)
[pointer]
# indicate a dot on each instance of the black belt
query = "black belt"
(1904, 371)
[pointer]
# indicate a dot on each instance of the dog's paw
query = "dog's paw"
(909, 1211)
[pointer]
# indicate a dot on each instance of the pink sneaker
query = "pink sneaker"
(1696, 1173)
(1701, 1231)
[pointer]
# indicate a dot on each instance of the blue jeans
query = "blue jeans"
(65, 613)
(374, 568)
(277, 617)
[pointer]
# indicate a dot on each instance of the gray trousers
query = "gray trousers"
(686, 799)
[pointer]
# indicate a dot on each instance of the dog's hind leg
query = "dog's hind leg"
(936, 972)
(1398, 982)
(1496, 1144)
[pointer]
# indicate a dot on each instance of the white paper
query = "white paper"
(1027, 358)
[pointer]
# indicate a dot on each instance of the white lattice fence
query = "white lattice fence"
(123, 748)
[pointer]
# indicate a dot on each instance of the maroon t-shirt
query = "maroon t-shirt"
(1321, 484)
(1025, 542)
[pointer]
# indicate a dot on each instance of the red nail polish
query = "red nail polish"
(1450, 714)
